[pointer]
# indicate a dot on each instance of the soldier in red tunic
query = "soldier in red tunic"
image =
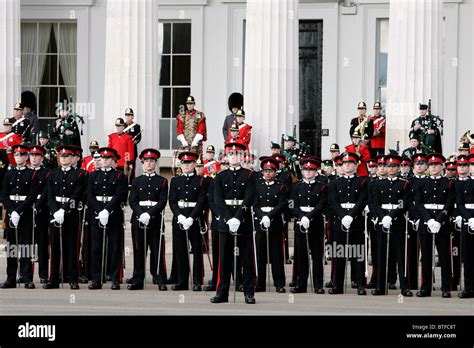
(359, 146)
(88, 162)
(8, 139)
(377, 143)
(240, 130)
(191, 128)
(123, 144)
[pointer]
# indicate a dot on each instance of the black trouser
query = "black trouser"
(153, 242)
(442, 241)
(276, 246)
(396, 252)
(468, 258)
(215, 251)
(413, 256)
(183, 258)
(70, 249)
(316, 246)
(24, 247)
(356, 242)
(114, 241)
(371, 230)
(456, 255)
(330, 242)
(86, 251)
(286, 224)
(42, 240)
(226, 262)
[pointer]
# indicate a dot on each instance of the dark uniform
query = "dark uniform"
(309, 200)
(20, 189)
(134, 131)
(186, 197)
(428, 122)
(434, 199)
(214, 234)
(21, 126)
(271, 200)
(65, 190)
(234, 192)
(106, 190)
(348, 197)
(371, 230)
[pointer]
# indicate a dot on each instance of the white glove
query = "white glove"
(59, 216)
(197, 138)
(347, 221)
(104, 217)
(234, 225)
(458, 221)
(181, 219)
(15, 218)
(265, 222)
(366, 209)
(305, 222)
(436, 227)
(182, 140)
(470, 223)
(144, 218)
(188, 223)
(430, 224)
(386, 221)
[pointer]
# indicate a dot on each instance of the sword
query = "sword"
(387, 231)
(18, 249)
(162, 232)
(187, 253)
(61, 263)
(254, 242)
(82, 234)
(203, 232)
(104, 254)
(145, 249)
(268, 258)
(347, 230)
(33, 256)
(305, 231)
(406, 244)
(365, 244)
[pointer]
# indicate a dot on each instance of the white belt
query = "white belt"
(62, 199)
(434, 206)
(104, 198)
(17, 198)
(348, 205)
(307, 209)
(469, 206)
(391, 206)
(183, 204)
(147, 203)
(266, 209)
(234, 201)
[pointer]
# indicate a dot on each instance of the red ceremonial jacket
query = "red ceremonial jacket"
(124, 145)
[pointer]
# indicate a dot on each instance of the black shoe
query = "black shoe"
(219, 299)
(466, 294)
(292, 284)
(392, 286)
(320, 291)
(329, 284)
(281, 289)
(95, 286)
(50, 285)
(8, 285)
(361, 291)
(354, 285)
(335, 291)
(446, 294)
(377, 292)
(288, 262)
(249, 299)
(422, 293)
(129, 280)
(162, 287)
(43, 280)
(298, 290)
(370, 285)
(29, 285)
(197, 287)
(135, 286)
(259, 288)
(407, 293)
(179, 287)
(115, 286)
(240, 288)
(74, 286)
(155, 280)
(83, 280)
(210, 287)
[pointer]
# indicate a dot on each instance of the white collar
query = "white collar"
(472, 176)
(435, 177)
(463, 178)
(392, 179)
(269, 183)
(65, 169)
(348, 176)
(420, 176)
(234, 168)
(106, 169)
(188, 175)
(309, 181)
(36, 168)
(20, 168)
(149, 174)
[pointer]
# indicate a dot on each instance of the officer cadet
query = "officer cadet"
(271, 201)
(372, 168)
(309, 200)
(405, 167)
(186, 198)
(65, 190)
(50, 160)
(106, 191)
(124, 146)
(434, 199)
(248, 161)
(328, 170)
(21, 125)
(374, 173)
(20, 189)
(451, 168)
(234, 194)
(88, 162)
(390, 200)
(347, 200)
(76, 157)
(465, 208)
(41, 211)
(148, 198)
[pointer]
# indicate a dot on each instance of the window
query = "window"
(49, 65)
(382, 56)
(175, 78)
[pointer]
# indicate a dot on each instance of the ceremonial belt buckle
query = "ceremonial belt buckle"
(469, 206)
(147, 203)
(104, 198)
(390, 206)
(434, 206)
(347, 205)
(62, 199)
(234, 201)
(307, 209)
(266, 209)
(17, 198)
(184, 204)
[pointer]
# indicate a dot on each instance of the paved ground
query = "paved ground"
(153, 302)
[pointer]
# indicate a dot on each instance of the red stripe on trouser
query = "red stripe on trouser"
(219, 263)
(163, 248)
(78, 247)
(422, 277)
(51, 251)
